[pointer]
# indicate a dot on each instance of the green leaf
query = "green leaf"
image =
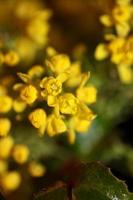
(99, 183)
(95, 182)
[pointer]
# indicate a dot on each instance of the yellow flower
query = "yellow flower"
(29, 94)
(37, 30)
(85, 113)
(125, 73)
(123, 29)
(38, 118)
(11, 180)
(106, 20)
(3, 166)
(36, 169)
(59, 63)
(5, 126)
(119, 17)
(121, 13)
(11, 58)
(101, 51)
(20, 153)
(116, 47)
(5, 104)
(19, 105)
(80, 125)
(68, 104)
(51, 51)
(87, 94)
(55, 125)
(6, 145)
(51, 85)
(36, 71)
(75, 75)
(121, 51)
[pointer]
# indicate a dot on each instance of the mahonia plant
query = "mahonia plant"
(118, 45)
(53, 97)
(60, 87)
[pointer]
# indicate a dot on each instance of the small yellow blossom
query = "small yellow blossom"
(5, 104)
(5, 126)
(36, 169)
(19, 105)
(80, 125)
(36, 71)
(6, 145)
(101, 52)
(20, 153)
(37, 30)
(68, 104)
(120, 17)
(11, 180)
(51, 85)
(106, 20)
(121, 51)
(87, 94)
(29, 94)
(51, 51)
(38, 118)
(85, 113)
(55, 125)
(123, 29)
(11, 58)
(3, 166)
(59, 63)
(75, 75)
(121, 13)
(125, 73)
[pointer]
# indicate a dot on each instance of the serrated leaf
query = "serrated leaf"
(100, 182)
(96, 182)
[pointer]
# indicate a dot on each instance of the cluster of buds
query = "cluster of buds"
(119, 39)
(52, 97)
(58, 96)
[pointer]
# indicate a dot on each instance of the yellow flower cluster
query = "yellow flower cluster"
(30, 25)
(62, 96)
(53, 97)
(119, 44)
